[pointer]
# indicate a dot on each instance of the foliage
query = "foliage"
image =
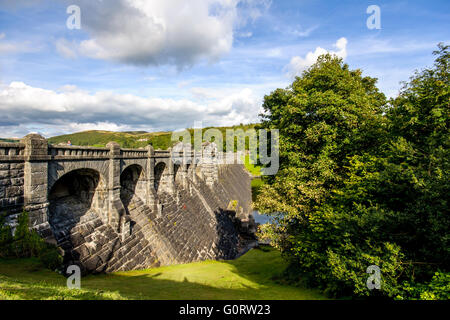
(256, 185)
(362, 182)
(26, 243)
(437, 289)
(9, 140)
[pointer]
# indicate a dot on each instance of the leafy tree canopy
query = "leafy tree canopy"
(362, 181)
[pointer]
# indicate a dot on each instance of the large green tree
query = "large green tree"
(361, 182)
(326, 115)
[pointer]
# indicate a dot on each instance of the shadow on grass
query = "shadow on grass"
(249, 277)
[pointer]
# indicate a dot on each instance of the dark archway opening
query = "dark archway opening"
(76, 198)
(129, 180)
(176, 169)
(160, 168)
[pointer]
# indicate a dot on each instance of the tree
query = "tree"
(357, 185)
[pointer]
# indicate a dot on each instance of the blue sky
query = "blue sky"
(163, 65)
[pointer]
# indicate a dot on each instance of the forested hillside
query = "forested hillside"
(137, 139)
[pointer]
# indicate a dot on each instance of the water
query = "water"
(261, 218)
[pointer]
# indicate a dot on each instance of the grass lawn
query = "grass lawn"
(254, 169)
(252, 276)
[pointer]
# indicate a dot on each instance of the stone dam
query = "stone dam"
(111, 209)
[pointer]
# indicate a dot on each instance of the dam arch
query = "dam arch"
(77, 197)
(133, 182)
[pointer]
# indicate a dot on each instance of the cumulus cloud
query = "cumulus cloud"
(299, 64)
(25, 108)
(176, 32)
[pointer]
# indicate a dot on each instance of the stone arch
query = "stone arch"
(78, 198)
(133, 182)
(198, 171)
(86, 185)
(126, 163)
(176, 171)
(58, 169)
(161, 170)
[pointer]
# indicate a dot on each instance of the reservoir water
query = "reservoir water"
(261, 218)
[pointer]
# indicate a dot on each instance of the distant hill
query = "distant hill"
(135, 132)
(129, 139)
(8, 140)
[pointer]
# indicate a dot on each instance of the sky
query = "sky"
(150, 65)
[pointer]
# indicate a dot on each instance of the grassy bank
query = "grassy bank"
(252, 276)
(255, 171)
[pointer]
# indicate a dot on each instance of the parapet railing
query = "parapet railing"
(77, 152)
(134, 153)
(162, 153)
(81, 152)
(58, 152)
(11, 151)
(16, 152)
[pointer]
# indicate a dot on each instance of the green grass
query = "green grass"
(254, 169)
(252, 276)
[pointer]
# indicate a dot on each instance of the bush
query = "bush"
(26, 243)
(437, 289)
(50, 257)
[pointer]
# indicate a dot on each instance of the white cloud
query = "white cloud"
(66, 49)
(274, 53)
(299, 64)
(374, 46)
(304, 33)
(25, 108)
(173, 32)
(248, 34)
(7, 47)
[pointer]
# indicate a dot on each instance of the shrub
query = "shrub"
(437, 289)
(26, 243)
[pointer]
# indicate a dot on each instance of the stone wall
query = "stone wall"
(11, 187)
(11, 180)
(192, 224)
(112, 209)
